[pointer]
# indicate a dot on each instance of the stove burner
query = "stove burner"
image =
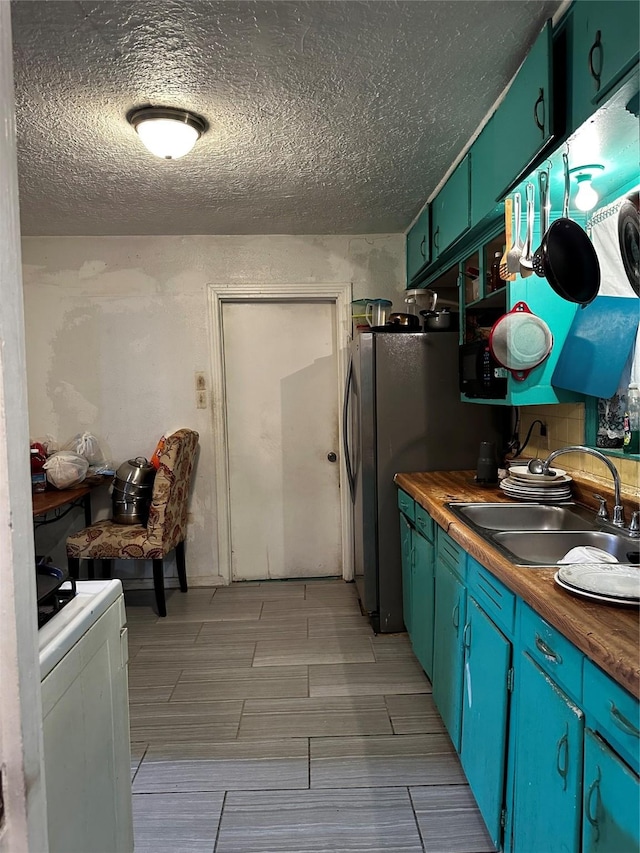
(51, 596)
(54, 602)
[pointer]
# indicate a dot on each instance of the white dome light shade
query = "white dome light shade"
(586, 197)
(166, 132)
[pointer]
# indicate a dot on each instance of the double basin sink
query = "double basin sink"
(540, 535)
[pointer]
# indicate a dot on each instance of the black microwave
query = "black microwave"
(480, 374)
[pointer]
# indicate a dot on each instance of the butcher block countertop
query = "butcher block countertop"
(608, 635)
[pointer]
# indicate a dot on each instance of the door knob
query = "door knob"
(331, 456)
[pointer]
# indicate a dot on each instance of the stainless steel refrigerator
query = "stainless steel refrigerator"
(402, 412)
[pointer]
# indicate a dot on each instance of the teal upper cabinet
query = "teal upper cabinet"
(418, 245)
(522, 124)
(602, 46)
(450, 210)
(484, 184)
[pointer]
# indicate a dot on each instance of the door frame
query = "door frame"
(218, 293)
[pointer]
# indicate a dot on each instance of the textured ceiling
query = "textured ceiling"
(325, 117)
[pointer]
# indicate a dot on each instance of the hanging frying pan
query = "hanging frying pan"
(629, 239)
(566, 256)
(520, 341)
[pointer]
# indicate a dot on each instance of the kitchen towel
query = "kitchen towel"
(587, 554)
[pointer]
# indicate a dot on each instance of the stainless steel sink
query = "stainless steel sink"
(539, 535)
(502, 516)
(547, 547)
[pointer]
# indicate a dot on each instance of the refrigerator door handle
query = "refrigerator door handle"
(345, 430)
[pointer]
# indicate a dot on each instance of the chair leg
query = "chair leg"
(91, 572)
(158, 583)
(74, 567)
(181, 566)
(105, 568)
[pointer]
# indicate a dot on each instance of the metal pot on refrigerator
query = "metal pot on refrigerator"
(435, 321)
(409, 322)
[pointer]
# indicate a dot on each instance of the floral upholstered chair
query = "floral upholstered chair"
(166, 528)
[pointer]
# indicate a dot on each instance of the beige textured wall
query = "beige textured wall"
(565, 425)
(117, 327)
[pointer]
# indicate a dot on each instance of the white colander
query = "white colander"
(520, 340)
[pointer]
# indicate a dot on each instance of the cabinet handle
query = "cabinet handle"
(622, 723)
(597, 45)
(436, 237)
(422, 247)
(546, 650)
(562, 754)
(539, 103)
(455, 616)
(466, 636)
(593, 798)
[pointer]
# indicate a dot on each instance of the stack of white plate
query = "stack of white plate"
(613, 584)
(522, 485)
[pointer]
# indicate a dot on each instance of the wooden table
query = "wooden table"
(54, 500)
(54, 504)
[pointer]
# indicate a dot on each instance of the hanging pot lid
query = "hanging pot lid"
(520, 341)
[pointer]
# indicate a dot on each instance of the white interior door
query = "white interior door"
(281, 381)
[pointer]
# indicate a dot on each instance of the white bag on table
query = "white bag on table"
(66, 469)
(85, 444)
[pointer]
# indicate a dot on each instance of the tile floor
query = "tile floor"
(268, 718)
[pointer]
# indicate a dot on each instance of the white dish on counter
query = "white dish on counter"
(606, 599)
(518, 489)
(521, 472)
(611, 579)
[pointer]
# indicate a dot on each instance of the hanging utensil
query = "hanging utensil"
(520, 341)
(543, 189)
(526, 259)
(505, 275)
(514, 253)
(567, 256)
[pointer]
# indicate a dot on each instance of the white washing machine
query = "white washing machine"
(87, 757)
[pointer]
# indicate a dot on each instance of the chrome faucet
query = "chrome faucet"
(618, 510)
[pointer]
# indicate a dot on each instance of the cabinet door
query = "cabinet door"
(451, 209)
(484, 184)
(522, 124)
(406, 556)
(548, 764)
(422, 602)
(485, 699)
(611, 818)
(418, 245)
(447, 649)
(85, 727)
(603, 47)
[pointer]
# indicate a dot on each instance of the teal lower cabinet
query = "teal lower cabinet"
(450, 612)
(406, 556)
(422, 601)
(611, 793)
(611, 819)
(547, 758)
(550, 743)
(418, 595)
(485, 705)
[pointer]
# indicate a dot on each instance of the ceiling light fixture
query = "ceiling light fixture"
(167, 132)
(586, 197)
